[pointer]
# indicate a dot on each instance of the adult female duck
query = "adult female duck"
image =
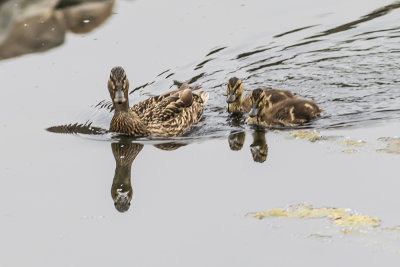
(170, 114)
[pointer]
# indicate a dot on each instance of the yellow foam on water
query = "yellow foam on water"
(352, 142)
(311, 136)
(338, 216)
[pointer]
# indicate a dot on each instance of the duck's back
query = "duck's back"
(174, 115)
(293, 112)
(275, 96)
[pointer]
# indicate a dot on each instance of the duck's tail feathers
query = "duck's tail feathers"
(204, 96)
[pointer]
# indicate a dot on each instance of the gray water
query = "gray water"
(189, 195)
(351, 70)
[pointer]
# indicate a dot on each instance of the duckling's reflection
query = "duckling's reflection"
(236, 140)
(259, 147)
(121, 189)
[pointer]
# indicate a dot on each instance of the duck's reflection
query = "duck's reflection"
(125, 152)
(259, 147)
(121, 189)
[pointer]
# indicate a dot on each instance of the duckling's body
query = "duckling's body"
(239, 104)
(170, 114)
(289, 112)
(275, 96)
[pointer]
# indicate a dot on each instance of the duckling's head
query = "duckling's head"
(258, 102)
(234, 91)
(118, 85)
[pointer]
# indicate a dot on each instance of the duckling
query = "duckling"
(234, 93)
(290, 112)
(173, 115)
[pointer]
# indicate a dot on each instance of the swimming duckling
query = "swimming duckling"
(236, 104)
(234, 93)
(174, 114)
(290, 112)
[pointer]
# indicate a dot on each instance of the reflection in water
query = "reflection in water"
(236, 140)
(28, 26)
(259, 147)
(125, 153)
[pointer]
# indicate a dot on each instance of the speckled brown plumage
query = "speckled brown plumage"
(239, 104)
(289, 112)
(170, 114)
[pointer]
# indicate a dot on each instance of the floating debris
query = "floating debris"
(352, 142)
(392, 145)
(338, 216)
(311, 136)
(349, 151)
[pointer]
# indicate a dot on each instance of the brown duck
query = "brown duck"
(238, 104)
(170, 114)
(289, 112)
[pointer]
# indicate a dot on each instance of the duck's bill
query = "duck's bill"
(253, 110)
(230, 98)
(119, 97)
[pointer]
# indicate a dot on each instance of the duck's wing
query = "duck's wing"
(173, 115)
(143, 107)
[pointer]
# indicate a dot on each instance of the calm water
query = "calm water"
(185, 199)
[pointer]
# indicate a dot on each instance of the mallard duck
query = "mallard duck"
(237, 104)
(170, 114)
(290, 112)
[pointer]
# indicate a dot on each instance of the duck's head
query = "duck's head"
(234, 91)
(118, 85)
(258, 102)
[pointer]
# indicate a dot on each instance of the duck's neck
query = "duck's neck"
(123, 107)
(236, 106)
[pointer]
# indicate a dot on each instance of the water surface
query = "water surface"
(189, 196)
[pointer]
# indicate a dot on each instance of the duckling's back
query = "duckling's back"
(294, 112)
(275, 96)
